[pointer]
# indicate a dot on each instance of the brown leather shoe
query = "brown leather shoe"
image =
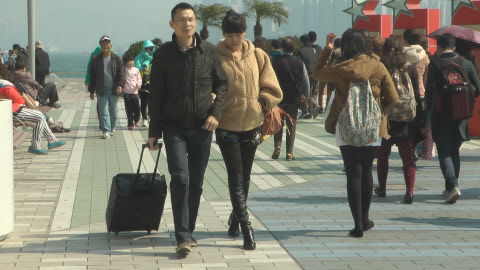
(276, 153)
(290, 157)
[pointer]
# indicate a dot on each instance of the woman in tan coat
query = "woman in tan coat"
(356, 65)
(252, 88)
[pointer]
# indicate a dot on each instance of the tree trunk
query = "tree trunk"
(204, 33)
(258, 29)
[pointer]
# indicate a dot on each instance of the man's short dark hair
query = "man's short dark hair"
(312, 36)
(275, 43)
(19, 64)
(304, 39)
(157, 41)
(16, 47)
(446, 41)
(182, 6)
(412, 36)
(288, 44)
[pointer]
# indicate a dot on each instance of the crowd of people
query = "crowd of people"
(187, 89)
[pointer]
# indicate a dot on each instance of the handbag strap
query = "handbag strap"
(289, 68)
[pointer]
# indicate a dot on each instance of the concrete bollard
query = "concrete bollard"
(6, 169)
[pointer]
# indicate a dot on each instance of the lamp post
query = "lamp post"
(31, 36)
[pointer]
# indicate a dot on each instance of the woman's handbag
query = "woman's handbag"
(426, 149)
(273, 121)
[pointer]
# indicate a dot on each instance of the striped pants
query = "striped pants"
(40, 128)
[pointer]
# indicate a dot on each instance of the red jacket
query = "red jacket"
(12, 93)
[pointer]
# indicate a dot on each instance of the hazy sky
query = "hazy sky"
(77, 25)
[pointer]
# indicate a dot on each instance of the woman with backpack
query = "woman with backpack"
(356, 66)
(405, 118)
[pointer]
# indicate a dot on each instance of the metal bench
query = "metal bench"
(20, 134)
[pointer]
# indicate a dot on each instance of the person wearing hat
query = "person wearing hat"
(42, 63)
(107, 79)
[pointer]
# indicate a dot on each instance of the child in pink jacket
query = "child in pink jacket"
(130, 92)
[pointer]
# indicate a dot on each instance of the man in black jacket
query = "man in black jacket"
(107, 79)
(447, 134)
(42, 63)
(188, 89)
(293, 79)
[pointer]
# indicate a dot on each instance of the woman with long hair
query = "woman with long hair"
(252, 88)
(356, 65)
(404, 134)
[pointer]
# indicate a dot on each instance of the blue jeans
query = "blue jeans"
(108, 108)
(188, 150)
(448, 148)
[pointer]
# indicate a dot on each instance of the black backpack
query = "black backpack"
(454, 94)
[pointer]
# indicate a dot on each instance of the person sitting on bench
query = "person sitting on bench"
(41, 94)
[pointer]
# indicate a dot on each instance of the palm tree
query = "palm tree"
(211, 15)
(261, 9)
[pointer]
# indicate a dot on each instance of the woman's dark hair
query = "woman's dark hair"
(393, 56)
(288, 44)
(412, 36)
(4, 72)
(234, 23)
(352, 44)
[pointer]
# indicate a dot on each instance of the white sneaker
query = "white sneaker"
(112, 132)
(453, 195)
(106, 135)
(144, 123)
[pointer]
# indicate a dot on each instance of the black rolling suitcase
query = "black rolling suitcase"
(136, 200)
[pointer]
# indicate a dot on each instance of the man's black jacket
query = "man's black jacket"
(182, 83)
(42, 62)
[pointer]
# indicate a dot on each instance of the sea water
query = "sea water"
(69, 65)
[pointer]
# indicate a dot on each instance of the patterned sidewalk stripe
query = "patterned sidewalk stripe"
(64, 211)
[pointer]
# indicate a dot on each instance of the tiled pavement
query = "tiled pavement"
(299, 209)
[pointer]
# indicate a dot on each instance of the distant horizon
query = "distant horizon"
(68, 27)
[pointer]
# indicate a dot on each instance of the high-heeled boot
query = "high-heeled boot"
(236, 188)
(248, 239)
(233, 223)
(233, 226)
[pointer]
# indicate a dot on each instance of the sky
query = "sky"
(77, 25)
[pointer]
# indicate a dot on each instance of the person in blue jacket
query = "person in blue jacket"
(142, 62)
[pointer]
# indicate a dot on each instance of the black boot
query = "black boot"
(238, 197)
(248, 239)
(233, 226)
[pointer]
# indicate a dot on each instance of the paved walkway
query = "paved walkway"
(298, 209)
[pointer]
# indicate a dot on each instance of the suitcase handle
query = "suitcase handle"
(145, 145)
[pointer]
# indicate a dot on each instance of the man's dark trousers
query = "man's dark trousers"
(188, 150)
(448, 142)
(48, 92)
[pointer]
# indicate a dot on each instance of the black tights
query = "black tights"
(358, 163)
